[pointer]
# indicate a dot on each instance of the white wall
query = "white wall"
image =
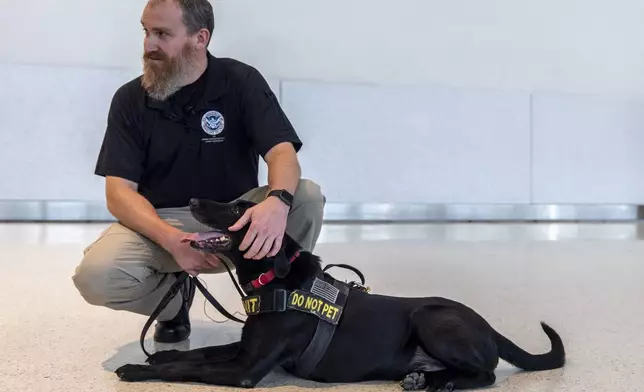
(428, 101)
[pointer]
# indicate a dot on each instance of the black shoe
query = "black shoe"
(178, 329)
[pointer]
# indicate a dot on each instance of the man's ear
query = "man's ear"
(281, 264)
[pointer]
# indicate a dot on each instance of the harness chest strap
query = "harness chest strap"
(324, 300)
(323, 335)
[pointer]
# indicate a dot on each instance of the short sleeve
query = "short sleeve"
(266, 123)
(122, 153)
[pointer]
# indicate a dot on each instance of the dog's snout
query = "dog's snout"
(194, 203)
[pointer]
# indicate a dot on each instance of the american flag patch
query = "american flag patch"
(325, 290)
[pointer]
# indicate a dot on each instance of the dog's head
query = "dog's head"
(223, 242)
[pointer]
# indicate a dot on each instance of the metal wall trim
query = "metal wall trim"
(96, 211)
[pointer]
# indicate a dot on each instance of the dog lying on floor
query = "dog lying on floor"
(321, 329)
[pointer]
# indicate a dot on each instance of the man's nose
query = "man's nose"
(149, 45)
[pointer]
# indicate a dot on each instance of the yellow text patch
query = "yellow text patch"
(251, 304)
(309, 303)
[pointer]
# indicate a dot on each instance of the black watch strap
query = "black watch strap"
(283, 195)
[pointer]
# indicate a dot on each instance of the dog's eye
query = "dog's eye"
(235, 211)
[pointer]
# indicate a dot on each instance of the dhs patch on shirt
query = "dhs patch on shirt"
(213, 123)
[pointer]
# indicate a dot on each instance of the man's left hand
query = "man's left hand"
(266, 231)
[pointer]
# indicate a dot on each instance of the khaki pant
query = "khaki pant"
(124, 270)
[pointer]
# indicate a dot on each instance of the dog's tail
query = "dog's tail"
(526, 361)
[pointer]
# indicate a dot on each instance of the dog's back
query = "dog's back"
(384, 337)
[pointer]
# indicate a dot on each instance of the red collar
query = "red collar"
(268, 276)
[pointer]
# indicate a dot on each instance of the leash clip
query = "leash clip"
(359, 287)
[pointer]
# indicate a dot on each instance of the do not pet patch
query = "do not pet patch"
(308, 303)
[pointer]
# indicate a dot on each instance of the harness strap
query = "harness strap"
(310, 358)
(258, 304)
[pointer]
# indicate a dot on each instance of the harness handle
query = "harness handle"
(346, 266)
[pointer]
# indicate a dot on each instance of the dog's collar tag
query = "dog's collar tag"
(309, 303)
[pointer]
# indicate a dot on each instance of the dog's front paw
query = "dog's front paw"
(449, 387)
(163, 357)
(414, 382)
(133, 373)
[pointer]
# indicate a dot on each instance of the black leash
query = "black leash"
(214, 302)
(172, 292)
(232, 278)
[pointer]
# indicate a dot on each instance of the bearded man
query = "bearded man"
(193, 125)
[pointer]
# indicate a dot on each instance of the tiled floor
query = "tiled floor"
(587, 281)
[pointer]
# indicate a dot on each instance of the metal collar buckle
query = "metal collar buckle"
(259, 279)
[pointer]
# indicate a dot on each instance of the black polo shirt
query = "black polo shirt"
(203, 142)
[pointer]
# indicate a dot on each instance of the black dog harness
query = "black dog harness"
(325, 298)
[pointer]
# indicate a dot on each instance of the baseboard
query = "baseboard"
(90, 211)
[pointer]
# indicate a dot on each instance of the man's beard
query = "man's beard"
(163, 78)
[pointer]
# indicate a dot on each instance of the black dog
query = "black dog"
(423, 343)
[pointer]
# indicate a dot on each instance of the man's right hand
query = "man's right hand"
(136, 212)
(191, 260)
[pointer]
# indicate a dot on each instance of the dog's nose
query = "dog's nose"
(194, 203)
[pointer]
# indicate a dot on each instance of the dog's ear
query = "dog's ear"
(281, 264)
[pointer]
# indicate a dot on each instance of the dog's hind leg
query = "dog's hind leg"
(445, 381)
(211, 354)
(456, 340)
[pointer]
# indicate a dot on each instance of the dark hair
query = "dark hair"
(197, 15)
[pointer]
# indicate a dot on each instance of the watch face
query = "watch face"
(284, 196)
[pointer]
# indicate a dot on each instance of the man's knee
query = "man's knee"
(308, 203)
(92, 279)
(309, 193)
(305, 220)
(102, 281)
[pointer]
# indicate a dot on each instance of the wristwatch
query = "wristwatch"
(283, 195)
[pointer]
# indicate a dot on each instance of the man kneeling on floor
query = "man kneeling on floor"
(192, 125)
